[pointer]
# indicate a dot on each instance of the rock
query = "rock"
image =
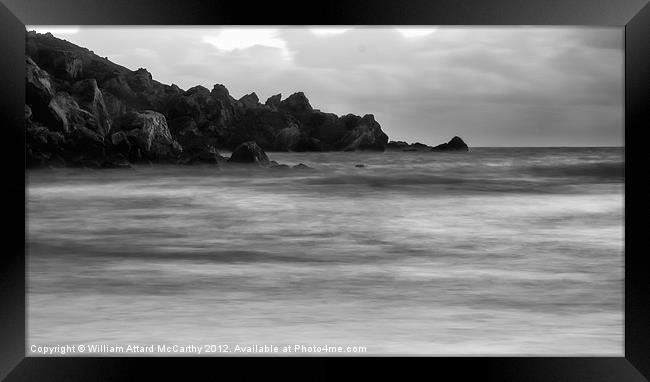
(42, 144)
(249, 152)
(140, 80)
(280, 167)
(367, 135)
(274, 101)
(397, 145)
(89, 97)
(119, 143)
(114, 105)
(359, 165)
(296, 104)
(67, 116)
(182, 106)
(249, 100)
(200, 92)
(420, 146)
(83, 144)
(120, 88)
(293, 139)
(455, 144)
(69, 87)
(403, 146)
(38, 87)
(209, 155)
(150, 132)
(68, 66)
(220, 92)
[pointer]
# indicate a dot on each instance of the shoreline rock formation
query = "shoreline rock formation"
(455, 144)
(82, 109)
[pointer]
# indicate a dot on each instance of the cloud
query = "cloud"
(326, 31)
(416, 32)
(231, 39)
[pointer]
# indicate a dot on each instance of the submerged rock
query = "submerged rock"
(455, 144)
(249, 152)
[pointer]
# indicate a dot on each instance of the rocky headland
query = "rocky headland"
(84, 110)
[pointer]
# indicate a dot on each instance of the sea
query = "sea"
(497, 251)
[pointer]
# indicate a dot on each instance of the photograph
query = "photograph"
(324, 190)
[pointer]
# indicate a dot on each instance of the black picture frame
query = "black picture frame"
(634, 15)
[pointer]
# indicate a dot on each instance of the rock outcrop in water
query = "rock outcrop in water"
(455, 144)
(84, 109)
(403, 146)
(249, 152)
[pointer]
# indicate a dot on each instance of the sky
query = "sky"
(492, 86)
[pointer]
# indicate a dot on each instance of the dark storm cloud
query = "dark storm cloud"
(492, 86)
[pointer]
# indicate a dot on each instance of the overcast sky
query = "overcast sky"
(494, 86)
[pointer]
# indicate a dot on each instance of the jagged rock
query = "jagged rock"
(208, 155)
(119, 87)
(367, 135)
(38, 87)
(42, 144)
(67, 116)
(249, 152)
(221, 93)
(403, 146)
(455, 144)
(250, 100)
(279, 167)
(198, 91)
(68, 66)
(119, 144)
(182, 106)
(293, 139)
(296, 104)
(140, 80)
(85, 145)
(150, 132)
(397, 145)
(274, 101)
(89, 97)
(114, 105)
(69, 87)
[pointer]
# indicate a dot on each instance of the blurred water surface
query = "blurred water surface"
(495, 251)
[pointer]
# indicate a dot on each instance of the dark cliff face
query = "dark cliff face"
(81, 107)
